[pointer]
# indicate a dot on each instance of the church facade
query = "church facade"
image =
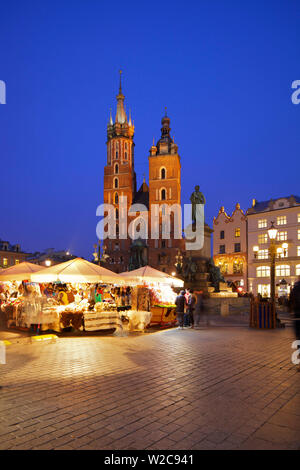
(161, 193)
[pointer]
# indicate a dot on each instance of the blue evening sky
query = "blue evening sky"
(224, 70)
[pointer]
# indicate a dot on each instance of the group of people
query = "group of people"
(189, 308)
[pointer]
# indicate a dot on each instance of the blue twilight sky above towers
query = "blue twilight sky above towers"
(223, 69)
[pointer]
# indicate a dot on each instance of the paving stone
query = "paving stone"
(215, 388)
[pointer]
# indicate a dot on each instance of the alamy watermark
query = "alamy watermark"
(163, 222)
(2, 92)
(295, 97)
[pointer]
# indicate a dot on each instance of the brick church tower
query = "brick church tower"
(119, 178)
(164, 189)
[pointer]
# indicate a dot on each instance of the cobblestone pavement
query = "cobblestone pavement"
(215, 388)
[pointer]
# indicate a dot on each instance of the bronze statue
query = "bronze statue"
(215, 274)
(190, 270)
(196, 198)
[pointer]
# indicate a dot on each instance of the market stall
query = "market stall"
(75, 295)
(153, 291)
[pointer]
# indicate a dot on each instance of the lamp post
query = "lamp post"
(272, 233)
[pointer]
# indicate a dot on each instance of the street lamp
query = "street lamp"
(272, 233)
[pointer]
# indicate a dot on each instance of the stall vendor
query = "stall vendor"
(98, 295)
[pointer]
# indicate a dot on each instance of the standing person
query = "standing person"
(295, 307)
(180, 303)
(186, 316)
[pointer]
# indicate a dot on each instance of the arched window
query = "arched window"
(163, 173)
(263, 271)
(116, 183)
(163, 194)
(283, 270)
(116, 198)
(116, 169)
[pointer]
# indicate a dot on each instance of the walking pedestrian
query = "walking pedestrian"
(180, 303)
(295, 307)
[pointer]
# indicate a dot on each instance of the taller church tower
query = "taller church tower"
(119, 178)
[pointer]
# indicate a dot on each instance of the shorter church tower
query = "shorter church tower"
(164, 189)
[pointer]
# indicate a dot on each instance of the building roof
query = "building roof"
(142, 196)
(263, 206)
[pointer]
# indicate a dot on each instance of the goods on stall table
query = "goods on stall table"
(102, 321)
(138, 320)
(163, 314)
(162, 294)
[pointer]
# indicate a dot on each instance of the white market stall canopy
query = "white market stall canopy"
(150, 275)
(77, 270)
(19, 272)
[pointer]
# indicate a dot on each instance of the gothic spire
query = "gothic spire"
(121, 117)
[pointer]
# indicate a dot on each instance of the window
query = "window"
(17, 261)
(223, 267)
(5, 262)
(117, 214)
(237, 247)
(163, 243)
(222, 249)
(298, 234)
(237, 232)
(263, 254)
(281, 220)
(125, 156)
(222, 234)
(264, 290)
(116, 183)
(298, 250)
(163, 173)
(116, 168)
(237, 267)
(262, 238)
(263, 271)
(117, 154)
(262, 223)
(283, 270)
(298, 218)
(298, 270)
(116, 198)
(163, 194)
(281, 236)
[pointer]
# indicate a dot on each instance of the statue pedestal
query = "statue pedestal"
(200, 257)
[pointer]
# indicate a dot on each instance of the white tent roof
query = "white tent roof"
(77, 270)
(148, 274)
(19, 272)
